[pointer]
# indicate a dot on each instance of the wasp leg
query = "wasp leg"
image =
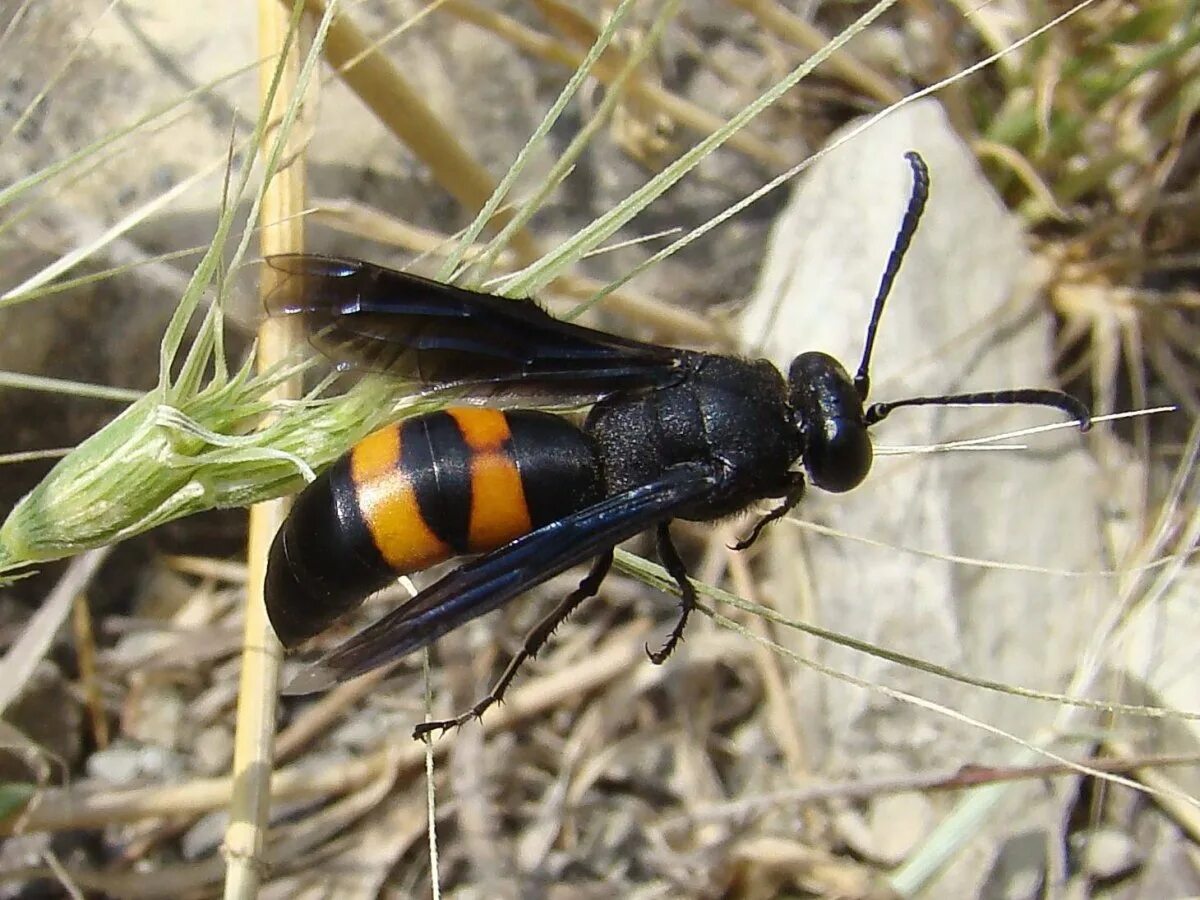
(687, 594)
(534, 641)
(794, 495)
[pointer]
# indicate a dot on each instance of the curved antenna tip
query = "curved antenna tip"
(908, 227)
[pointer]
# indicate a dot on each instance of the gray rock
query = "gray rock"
(964, 315)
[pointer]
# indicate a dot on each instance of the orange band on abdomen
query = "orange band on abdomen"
(388, 504)
(499, 511)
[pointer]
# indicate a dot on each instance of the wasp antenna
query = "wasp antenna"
(1021, 397)
(908, 227)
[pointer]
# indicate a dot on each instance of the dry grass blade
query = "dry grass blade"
(791, 27)
(324, 714)
(400, 108)
(93, 806)
(282, 232)
(671, 106)
(23, 656)
(85, 649)
(950, 779)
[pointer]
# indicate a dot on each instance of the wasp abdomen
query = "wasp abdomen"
(464, 480)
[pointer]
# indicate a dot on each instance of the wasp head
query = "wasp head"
(829, 414)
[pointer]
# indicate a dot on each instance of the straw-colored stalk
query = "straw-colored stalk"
(282, 232)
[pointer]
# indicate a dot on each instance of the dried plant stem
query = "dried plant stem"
(384, 90)
(22, 658)
(778, 20)
(85, 650)
(282, 232)
(785, 729)
(59, 809)
(324, 714)
(678, 109)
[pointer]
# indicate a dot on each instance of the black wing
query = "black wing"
(364, 316)
(488, 582)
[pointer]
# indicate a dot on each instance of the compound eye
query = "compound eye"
(838, 458)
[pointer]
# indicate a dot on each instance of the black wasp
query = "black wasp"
(672, 434)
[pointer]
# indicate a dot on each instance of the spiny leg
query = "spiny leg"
(687, 594)
(794, 495)
(534, 641)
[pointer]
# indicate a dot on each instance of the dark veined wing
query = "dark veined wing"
(365, 316)
(492, 580)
